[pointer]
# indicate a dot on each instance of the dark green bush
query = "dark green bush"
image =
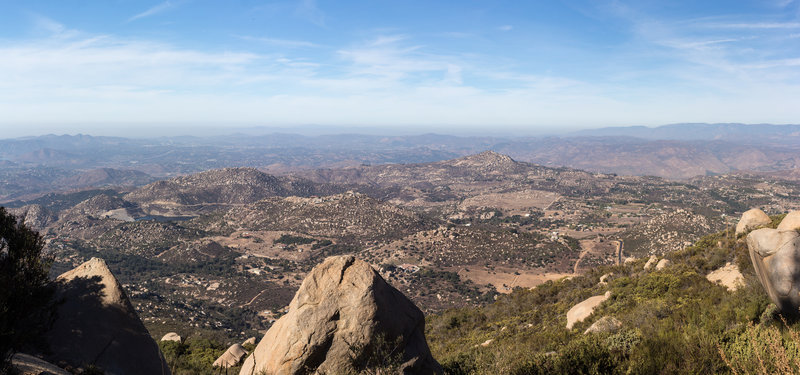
(25, 290)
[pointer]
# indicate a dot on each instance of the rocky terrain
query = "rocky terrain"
(223, 251)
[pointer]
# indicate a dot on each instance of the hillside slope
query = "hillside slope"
(671, 320)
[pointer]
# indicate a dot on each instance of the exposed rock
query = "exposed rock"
(663, 263)
(651, 262)
(752, 219)
(606, 324)
(29, 365)
(604, 278)
(96, 324)
(584, 309)
(728, 275)
(342, 304)
(250, 341)
(790, 222)
(34, 215)
(487, 343)
(231, 357)
(776, 258)
(172, 336)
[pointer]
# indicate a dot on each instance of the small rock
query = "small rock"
(250, 341)
(487, 343)
(651, 262)
(606, 324)
(231, 357)
(663, 263)
(728, 275)
(604, 278)
(172, 336)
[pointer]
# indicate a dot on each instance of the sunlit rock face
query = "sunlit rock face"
(751, 219)
(775, 254)
(342, 304)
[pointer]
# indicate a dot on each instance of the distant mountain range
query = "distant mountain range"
(744, 133)
(35, 165)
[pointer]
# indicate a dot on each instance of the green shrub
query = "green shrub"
(26, 309)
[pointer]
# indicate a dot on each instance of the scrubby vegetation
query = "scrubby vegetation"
(194, 357)
(673, 321)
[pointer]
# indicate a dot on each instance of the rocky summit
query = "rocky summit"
(343, 318)
(96, 325)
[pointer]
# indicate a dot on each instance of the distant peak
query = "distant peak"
(486, 158)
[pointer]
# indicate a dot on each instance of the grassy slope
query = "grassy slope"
(674, 321)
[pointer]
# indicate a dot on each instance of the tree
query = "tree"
(25, 289)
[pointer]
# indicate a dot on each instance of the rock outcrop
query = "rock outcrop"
(752, 219)
(729, 276)
(651, 262)
(663, 263)
(775, 255)
(606, 324)
(584, 309)
(97, 325)
(790, 222)
(340, 313)
(231, 357)
(25, 364)
(172, 336)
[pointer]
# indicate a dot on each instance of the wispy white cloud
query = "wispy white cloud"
(505, 28)
(154, 10)
(698, 44)
(756, 25)
(51, 27)
(392, 78)
(278, 42)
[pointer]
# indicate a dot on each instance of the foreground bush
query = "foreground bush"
(25, 291)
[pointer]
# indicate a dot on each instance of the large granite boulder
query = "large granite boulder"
(790, 222)
(776, 258)
(97, 325)
(341, 308)
(751, 219)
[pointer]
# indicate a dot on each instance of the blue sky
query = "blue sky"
(526, 65)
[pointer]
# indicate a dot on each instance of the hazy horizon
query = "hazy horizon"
(153, 131)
